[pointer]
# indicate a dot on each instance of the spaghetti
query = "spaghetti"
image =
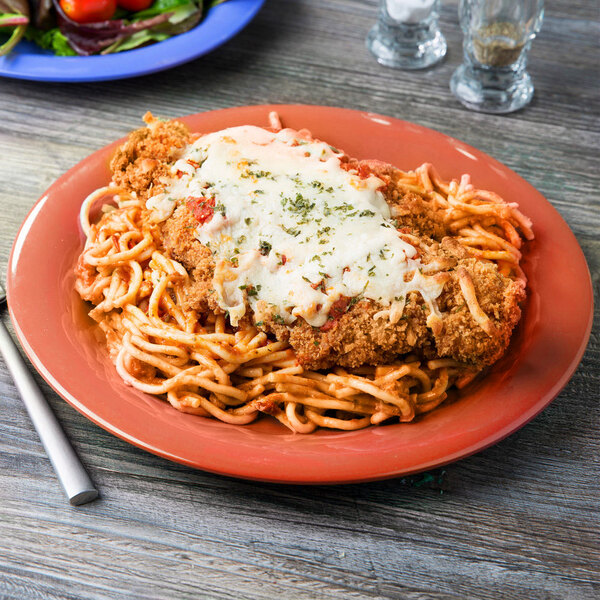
(204, 366)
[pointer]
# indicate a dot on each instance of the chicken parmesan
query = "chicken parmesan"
(261, 270)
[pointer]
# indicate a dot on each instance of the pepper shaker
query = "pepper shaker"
(497, 38)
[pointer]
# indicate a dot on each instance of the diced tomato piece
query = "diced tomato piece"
(202, 208)
(364, 171)
(319, 286)
(338, 308)
(329, 324)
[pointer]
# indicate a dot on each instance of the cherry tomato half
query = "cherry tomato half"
(89, 11)
(135, 5)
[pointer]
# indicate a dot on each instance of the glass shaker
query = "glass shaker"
(407, 35)
(497, 37)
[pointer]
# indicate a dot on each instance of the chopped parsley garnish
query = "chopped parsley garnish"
(257, 174)
(345, 207)
(251, 290)
(300, 205)
(290, 231)
(318, 185)
(264, 248)
(366, 213)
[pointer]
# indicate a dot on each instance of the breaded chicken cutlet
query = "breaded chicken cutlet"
(478, 305)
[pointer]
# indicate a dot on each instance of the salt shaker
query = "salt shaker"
(497, 37)
(407, 35)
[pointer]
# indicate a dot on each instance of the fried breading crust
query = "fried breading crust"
(412, 210)
(181, 243)
(141, 162)
(356, 337)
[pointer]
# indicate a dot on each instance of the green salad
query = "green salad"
(87, 27)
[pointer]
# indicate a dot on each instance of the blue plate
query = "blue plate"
(28, 61)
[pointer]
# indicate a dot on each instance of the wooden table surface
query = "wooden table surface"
(519, 520)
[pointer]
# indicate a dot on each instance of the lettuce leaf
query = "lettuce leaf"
(164, 6)
(52, 39)
(140, 38)
(183, 15)
(126, 31)
(14, 18)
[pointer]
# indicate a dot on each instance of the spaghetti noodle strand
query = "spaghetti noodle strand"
(203, 366)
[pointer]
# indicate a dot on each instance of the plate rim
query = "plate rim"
(480, 444)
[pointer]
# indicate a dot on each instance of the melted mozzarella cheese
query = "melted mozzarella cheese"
(292, 230)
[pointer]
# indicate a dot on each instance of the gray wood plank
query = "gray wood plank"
(518, 520)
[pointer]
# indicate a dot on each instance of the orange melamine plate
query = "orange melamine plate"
(56, 334)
